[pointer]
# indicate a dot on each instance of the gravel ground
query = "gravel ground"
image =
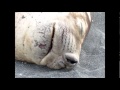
(92, 57)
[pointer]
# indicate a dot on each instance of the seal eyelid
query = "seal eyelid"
(81, 28)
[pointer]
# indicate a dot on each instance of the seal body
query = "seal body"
(53, 39)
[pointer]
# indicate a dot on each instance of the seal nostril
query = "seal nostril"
(72, 61)
(70, 58)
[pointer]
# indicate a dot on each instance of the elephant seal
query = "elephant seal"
(53, 39)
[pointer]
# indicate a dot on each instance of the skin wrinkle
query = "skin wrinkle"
(62, 37)
(53, 32)
(64, 41)
(53, 40)
(65, 37)
(68, 40)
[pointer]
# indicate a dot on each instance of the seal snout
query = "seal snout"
(71, 59)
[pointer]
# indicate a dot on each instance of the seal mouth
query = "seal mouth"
(51, 44)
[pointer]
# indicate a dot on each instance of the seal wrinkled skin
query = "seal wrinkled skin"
(50, 38)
